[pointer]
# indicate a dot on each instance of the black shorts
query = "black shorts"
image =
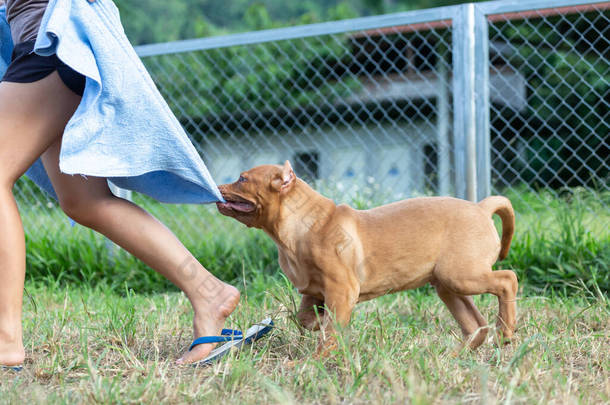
(27, 67)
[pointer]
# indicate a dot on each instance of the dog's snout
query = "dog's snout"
(223, 189)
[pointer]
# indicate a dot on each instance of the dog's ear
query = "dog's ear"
(287, 179)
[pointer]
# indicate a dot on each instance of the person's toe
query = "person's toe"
(198, 353)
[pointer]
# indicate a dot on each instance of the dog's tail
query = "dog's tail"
(501, 206)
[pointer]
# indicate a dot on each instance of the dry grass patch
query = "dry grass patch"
(93, 345)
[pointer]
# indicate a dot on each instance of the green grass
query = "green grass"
(561, 244)
(97, 345)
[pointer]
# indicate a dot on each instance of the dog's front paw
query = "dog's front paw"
(325, 348)
(291, 364)
(310, 320)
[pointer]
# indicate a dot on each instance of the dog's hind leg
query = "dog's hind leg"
(501, 283)
(473, 325)
(506, 286)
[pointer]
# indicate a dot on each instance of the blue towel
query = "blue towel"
(123, 129)
(6, 42)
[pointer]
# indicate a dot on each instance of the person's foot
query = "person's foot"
(209, 319)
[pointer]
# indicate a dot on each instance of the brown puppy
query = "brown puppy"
(337, 256)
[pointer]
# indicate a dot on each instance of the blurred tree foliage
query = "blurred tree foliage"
(269, 86)
(148, 21)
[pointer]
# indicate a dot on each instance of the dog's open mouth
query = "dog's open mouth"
(235, 205)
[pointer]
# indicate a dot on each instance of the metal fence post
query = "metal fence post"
(481, 90)
(464, 95)
(443, 115)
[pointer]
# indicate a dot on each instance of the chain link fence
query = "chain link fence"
(557, 136)
(365, 109)
(355, 113)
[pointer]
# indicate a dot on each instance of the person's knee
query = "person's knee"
(7, 179)
(80, 209)
(6, 186)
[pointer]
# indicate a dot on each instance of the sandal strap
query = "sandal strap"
(231, 332)
(227, 336)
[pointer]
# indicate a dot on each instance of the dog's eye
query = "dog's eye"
(242, 179)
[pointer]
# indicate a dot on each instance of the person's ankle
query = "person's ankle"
(213, 293)
(10, 334)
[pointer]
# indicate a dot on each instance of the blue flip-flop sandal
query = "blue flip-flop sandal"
(11, 368)
(233, 339)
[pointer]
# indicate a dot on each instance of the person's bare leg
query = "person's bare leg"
(90, 203)
(31, 114)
